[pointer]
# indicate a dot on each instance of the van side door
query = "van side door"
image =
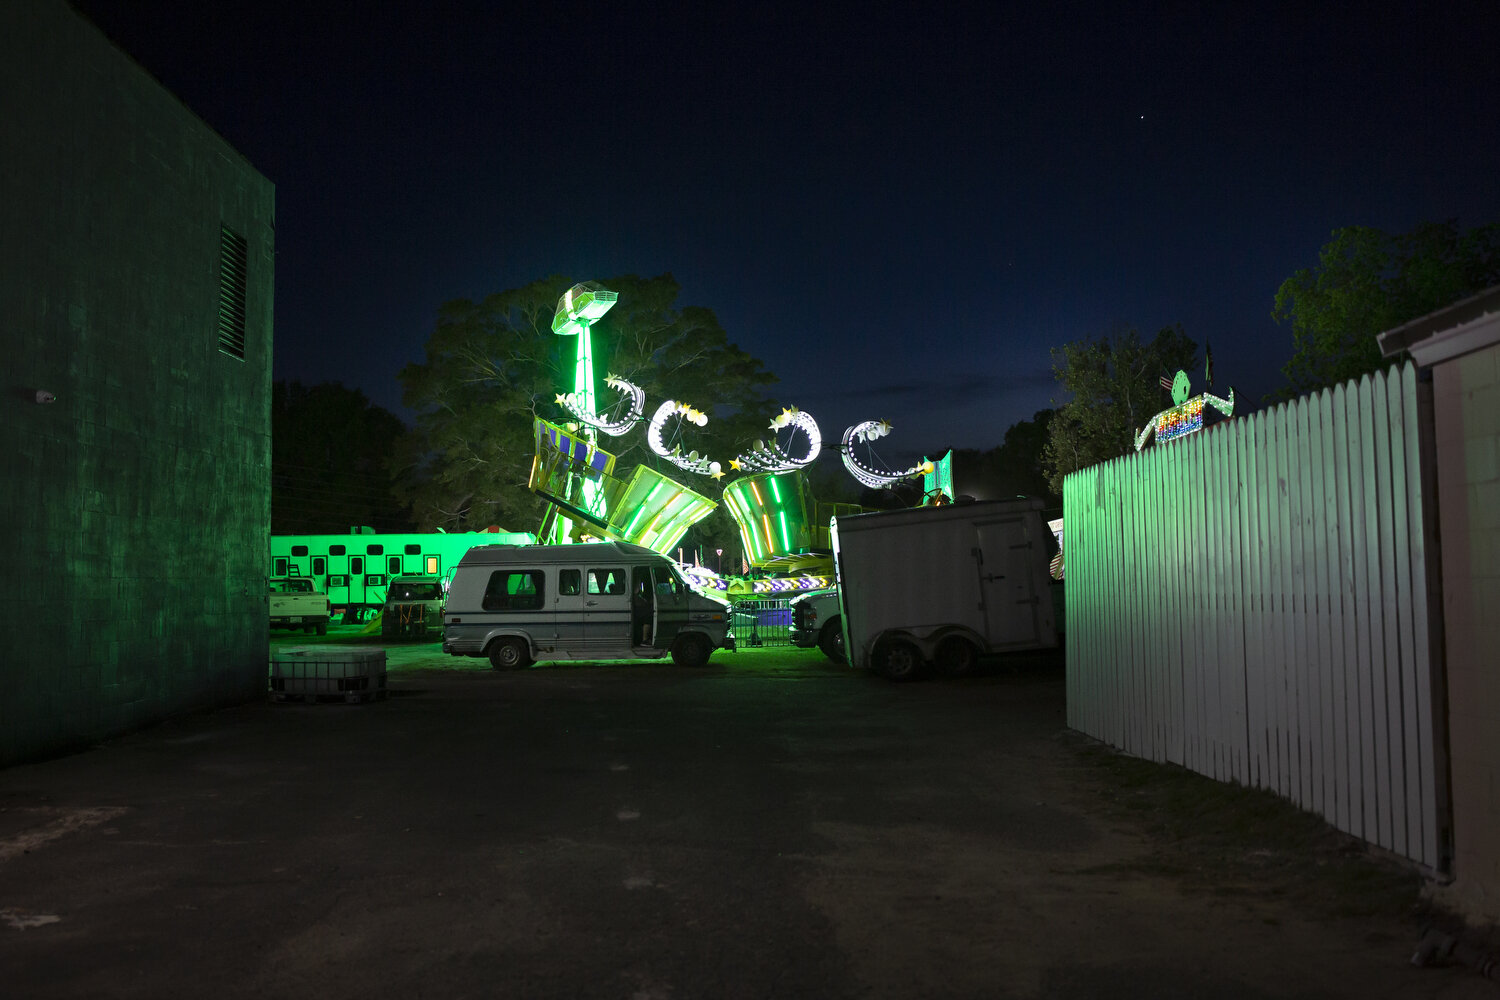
(671, 606)
(568, 611)
(606, 609)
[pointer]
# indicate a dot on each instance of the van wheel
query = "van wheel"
(956, 656)
(831, 640)
(898, 660)
(690, 651)
(509, 654)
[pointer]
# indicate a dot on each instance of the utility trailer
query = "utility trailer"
(943, 585)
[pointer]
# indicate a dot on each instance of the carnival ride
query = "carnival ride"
(784, 530)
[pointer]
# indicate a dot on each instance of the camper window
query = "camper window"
(568, 582)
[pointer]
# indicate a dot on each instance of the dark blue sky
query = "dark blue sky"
(899, 208)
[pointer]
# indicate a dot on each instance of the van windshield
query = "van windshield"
(424, 591)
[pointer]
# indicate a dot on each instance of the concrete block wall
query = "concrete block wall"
(136, 507)
(1466, 412)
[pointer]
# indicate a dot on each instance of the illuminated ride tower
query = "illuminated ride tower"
(578, 309)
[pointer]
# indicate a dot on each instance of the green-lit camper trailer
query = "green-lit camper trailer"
(354, 569)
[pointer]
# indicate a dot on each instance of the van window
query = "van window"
(413, 549)
(335, 550)
(278, 566)
(434, 563)
(374, 550)
(568, 581)
(607, 581)
(393, 565)
(514, 590)
(320, 565)
(415, 590)
(356, 565)
(668, 584)
(299, 550)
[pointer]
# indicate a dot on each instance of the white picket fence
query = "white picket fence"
(1251, 602)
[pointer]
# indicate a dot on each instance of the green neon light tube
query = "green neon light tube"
(786, 537)
(630, 528)
(774, 490)
(741, 512)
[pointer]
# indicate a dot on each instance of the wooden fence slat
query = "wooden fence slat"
(1280, 619)
(1156, 663)
(1234, 624)
(1298, 674)
(1330, 650)
(1375, 486)
(1179, 696)
(1416, 530)
(1211, 617)
(1350, 570)
(1360, 461)
(1257, 731)
(1386, 413)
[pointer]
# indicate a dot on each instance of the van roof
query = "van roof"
(553, 555)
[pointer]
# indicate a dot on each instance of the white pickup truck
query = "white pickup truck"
(296, 603)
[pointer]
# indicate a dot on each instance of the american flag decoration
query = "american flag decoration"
(1166, 382)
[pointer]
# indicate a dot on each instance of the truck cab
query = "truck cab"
(295, 602)
(413, 607)
(816, 621)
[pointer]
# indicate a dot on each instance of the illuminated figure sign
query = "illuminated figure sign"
(1185, 416)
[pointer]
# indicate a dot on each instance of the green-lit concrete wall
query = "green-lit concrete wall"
(134, 510)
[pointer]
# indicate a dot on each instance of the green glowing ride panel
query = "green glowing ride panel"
(655, 511)
(771, 510)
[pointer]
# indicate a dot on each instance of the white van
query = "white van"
(601, 601)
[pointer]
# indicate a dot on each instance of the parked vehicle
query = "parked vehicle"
(296, 603)
(354, 570)
(413, 607)
(943, 585)
(817, 621)
(606, 600)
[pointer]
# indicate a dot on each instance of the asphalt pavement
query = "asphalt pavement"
(771, 825)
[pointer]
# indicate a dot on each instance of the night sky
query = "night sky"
(898, 208)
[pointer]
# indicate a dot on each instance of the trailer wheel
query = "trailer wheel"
(690, 650)
(509, 654)
(898, 660)
(957, 656)
(831, 640)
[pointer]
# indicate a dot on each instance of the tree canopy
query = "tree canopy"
(330, 454)
(493, 366)
(1115, 384)
(1368, 281)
